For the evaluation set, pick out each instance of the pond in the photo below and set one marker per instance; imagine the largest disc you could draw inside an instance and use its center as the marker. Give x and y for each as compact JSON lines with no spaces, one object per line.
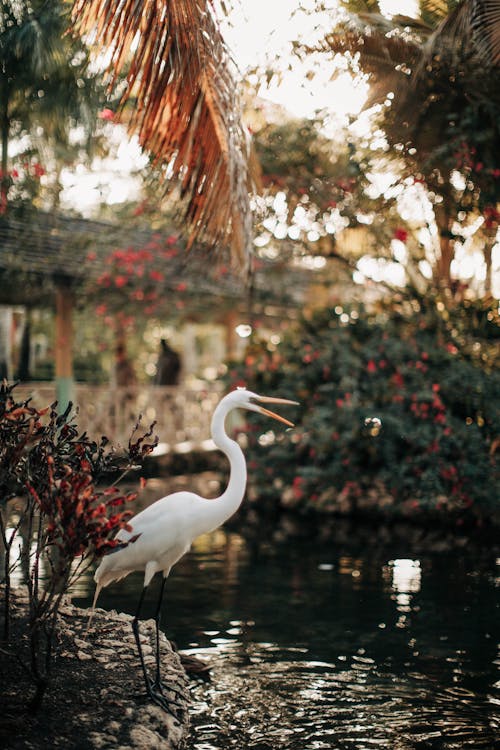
{"x":345,"y":646}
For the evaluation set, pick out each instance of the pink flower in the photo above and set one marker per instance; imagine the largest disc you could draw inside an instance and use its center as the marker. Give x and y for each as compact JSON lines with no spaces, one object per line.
{"x":107,"y":114}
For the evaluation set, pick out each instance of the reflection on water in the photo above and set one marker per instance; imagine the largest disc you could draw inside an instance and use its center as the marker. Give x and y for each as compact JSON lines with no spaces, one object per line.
{"x":316,"y":646}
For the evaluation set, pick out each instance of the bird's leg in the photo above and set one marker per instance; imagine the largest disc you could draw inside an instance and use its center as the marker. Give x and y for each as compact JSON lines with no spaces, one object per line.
{"x":158,"y":699}
{"x":135,"y":629}
{"x":153,"y":689}
{"x":158,"y":684}
{"x":157,"y":622}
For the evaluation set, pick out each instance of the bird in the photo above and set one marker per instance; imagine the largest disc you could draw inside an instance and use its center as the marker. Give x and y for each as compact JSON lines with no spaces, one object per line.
{"x":157,"y":537}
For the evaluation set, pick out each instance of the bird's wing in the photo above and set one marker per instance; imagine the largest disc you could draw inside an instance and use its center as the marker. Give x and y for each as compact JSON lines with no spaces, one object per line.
{"x":159,"y":534}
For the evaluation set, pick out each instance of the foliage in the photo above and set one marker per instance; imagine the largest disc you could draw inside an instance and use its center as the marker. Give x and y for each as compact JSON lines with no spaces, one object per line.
{"x":433,"y":82}
{"x":317,"y":191}
{"x":394,"y":416}
{"x":52,"y":509}
{"x":306,"y":184}
{"x":46,"y":90}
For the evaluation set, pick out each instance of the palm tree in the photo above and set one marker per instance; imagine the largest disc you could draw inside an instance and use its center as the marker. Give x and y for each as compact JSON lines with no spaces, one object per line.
{"x":44,"y":85}
{"x":441,"y":71}
{"x":183,"y":105}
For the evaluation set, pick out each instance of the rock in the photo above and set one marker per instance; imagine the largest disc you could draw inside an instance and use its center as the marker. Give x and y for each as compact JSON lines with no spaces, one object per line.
{"x":143,"y":738}
{"x":99,"y":681}
{"x":83,"y":655}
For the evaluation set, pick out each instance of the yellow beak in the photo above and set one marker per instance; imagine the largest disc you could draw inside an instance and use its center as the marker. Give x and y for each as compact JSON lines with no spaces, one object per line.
{"x":268,"y":413}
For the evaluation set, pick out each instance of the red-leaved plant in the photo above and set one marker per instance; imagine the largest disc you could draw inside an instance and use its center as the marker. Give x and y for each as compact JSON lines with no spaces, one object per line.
{"x":51,"y":505}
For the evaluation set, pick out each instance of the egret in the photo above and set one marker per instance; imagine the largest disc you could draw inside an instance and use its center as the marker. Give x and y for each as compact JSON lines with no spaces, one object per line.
{"x":162,"y":533}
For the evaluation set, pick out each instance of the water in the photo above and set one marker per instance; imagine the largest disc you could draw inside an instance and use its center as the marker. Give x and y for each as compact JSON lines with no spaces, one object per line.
{"x":346,"y":647}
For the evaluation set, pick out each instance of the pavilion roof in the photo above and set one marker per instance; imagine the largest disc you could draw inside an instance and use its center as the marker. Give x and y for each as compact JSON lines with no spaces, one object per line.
{"x":44,"y":249}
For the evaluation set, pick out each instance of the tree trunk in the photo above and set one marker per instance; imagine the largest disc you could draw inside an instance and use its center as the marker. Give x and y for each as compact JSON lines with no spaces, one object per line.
{"x":4,"y":137}
{"x":444,"y":222}
{"x":64,"y":345}
{"x":23,"y":370}
{"x":490,"y":236}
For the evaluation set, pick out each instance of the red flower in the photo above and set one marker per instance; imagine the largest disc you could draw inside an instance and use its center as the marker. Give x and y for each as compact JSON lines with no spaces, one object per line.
{"x":398,"y":379}
{"x":371,"y":366}
{"x":156,"y":276}
{"x":38,"y":170}
{"x":400,"y":234}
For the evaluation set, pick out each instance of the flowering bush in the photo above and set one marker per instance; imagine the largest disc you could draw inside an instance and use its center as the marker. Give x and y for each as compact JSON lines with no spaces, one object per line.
{"x":136,"y":277}
{"x":392,"y":418}
{"x":20,"y":185}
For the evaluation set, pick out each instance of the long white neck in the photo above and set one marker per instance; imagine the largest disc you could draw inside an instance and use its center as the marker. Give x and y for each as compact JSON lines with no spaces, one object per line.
{"x":218,"y":510}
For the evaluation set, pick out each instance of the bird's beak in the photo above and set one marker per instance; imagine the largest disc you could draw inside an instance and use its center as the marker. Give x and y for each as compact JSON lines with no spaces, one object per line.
{"x":268,"y":413}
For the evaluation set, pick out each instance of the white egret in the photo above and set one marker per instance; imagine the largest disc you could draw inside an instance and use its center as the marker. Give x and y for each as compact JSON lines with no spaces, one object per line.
{"x":162,"y":533}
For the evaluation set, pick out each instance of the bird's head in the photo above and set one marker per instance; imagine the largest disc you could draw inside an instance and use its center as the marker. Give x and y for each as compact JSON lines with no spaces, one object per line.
{"x":244,"y":399}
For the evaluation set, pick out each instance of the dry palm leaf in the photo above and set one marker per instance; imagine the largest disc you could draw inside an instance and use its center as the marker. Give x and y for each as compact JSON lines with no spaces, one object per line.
{"x":186,"y":115}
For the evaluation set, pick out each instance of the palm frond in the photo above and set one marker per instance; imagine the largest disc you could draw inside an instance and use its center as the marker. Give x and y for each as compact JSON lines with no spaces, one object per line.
{"x":187,"y":113}
{"x":471,"y":30}
{"x":386,"y":49}
{"x":432,"y":12}
{"x":485,"y":23}
{"x":378,"y":40}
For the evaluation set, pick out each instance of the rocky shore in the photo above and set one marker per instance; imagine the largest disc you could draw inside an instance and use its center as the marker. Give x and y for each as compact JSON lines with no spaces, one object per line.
{"x":96,"y":698}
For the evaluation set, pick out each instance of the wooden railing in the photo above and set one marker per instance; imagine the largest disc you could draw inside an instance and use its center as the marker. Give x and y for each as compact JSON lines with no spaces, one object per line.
{"x":182,"y":414}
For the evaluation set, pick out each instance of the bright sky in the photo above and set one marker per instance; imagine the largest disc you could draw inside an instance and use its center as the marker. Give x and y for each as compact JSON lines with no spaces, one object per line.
{"x":262,"y":30}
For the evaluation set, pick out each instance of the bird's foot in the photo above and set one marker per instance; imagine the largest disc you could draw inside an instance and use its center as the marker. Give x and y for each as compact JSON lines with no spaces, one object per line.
{"x":159,"y":687}
{"x":156,"y":691}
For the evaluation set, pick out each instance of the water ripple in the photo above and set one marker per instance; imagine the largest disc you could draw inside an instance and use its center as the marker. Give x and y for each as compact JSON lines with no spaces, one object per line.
{"x":275,"y":701}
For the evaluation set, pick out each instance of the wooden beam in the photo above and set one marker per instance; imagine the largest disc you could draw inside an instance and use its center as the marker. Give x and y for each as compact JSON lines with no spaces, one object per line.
{"x":64,"y":346}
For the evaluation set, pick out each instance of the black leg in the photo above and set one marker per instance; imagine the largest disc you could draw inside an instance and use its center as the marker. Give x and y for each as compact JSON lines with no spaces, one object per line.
{"x":154,"y":690}
{"x":158,"y":684}
{"x":157,"y":622}
{"x":135,"y":629}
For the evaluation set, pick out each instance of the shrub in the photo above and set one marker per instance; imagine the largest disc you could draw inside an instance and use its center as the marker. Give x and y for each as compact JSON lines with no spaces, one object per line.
{"x":392,"y":417}
{"x":49,"y":497}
